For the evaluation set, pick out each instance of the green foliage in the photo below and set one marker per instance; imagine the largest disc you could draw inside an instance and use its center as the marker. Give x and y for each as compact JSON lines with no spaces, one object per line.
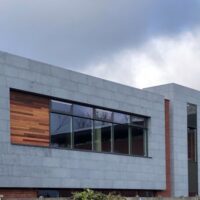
{"x":91,"y":195}
{"x":112,"y":196}
{"x":88,"y":195}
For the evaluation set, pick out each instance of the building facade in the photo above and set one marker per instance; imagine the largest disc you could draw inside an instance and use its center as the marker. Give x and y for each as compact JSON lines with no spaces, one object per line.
{"x":184,"y":129}
{"x":62,"y":131}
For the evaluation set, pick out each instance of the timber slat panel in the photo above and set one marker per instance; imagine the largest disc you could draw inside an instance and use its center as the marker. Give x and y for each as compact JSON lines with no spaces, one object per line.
{"x":29,"y":115}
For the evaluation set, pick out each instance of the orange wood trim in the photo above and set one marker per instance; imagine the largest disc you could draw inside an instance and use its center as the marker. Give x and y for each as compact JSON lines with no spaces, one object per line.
{"x":29,"y":116}
{"x":167,"y":192}
{"x":18,"y":193}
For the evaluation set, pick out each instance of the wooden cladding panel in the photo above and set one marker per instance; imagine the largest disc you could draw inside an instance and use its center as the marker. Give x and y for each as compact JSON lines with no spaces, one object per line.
{"x":18,"y":194}
{"x":167,"y":192}
{"x":29,"y":115}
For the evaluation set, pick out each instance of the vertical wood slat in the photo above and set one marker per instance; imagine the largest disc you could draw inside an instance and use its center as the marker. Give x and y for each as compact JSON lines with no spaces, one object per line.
{"x":167,"y":192}
{"x":29,"y":118}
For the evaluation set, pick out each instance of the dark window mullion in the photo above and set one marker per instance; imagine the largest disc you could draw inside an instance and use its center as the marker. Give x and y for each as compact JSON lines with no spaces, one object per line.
{"x":195,"y":145}
{"x":129,"y":140}
{"x":112,"y":138}
{"x":93,"y":135}
{"x":146,"y":142}
{"x":72,"y":133}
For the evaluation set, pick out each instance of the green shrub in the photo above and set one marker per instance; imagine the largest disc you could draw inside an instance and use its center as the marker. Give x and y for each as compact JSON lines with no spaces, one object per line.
{"x":113,"y":196}
{"x":88,"y":195}
{"x":91,"y":195}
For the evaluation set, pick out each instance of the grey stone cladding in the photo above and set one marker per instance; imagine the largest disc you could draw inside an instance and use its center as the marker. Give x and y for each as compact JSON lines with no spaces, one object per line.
{"x":35,"y":167}
{"x":179,"y":97}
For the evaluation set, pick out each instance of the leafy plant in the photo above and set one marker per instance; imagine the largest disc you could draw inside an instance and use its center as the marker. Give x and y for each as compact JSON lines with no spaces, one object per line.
{"x":113,"y":196}
{"x":91,"y":195}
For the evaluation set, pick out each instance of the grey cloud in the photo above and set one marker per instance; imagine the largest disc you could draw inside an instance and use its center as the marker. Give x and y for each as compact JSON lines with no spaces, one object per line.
{"x":75,"y":33}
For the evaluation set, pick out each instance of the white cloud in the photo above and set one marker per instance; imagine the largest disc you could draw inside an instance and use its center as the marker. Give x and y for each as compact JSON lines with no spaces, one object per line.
{"x":161,"y":60}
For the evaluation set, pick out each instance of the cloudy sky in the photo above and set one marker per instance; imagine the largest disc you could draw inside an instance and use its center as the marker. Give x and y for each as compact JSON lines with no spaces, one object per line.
{"x":135,"y":42}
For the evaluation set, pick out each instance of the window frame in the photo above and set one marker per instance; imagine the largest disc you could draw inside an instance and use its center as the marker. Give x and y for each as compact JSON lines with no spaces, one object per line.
{"x":113,"y":122}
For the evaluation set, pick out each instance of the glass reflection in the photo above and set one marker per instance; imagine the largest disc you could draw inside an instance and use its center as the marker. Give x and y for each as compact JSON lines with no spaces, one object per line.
{"x":138,"y":121}
{"x":82,"y":111}
{"x":102,"y":136}
{"x":192,"y":115}
{"x":121,"y":138}
{"x":192,"y":145}
{"x":138,"y":141}
{"x":82,"y":129}
{"x":58,"y":106}
{"x":60,"y":130}
{"x":104,"y":115}
{"x":121,"y":118}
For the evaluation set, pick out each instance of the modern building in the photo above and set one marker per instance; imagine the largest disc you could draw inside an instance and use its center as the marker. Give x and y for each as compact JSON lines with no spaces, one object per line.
{"x":62,"y":131}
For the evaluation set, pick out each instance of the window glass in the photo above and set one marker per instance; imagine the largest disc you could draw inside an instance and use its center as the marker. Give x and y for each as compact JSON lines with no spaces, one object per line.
{"x":192,"y":149}
{"x":192,"y":144}
{"x":121,"y":144}
{"x":192,"y":115}
{"x":82,"y":111}
{"x":82,"y":129}
{"x":138,"y":121}
{"x":192,"y":131}
{"x":104,"y":115}
{"x":48,"y":193}
{"x":138,"y":141}
{"x":58,"y":106}
{"x":102,"y":136}
{"x":121,"y":118}
{"x":60,"y":130}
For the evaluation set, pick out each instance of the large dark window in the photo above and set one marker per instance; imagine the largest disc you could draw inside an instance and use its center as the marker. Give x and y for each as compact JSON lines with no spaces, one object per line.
{"x":192,"y":144}
{"x":102,"y":136}
{"x":61,"y":130}
{"x":82,"y":129}
{"x":89,"y":128}
{"x":48,"y":193}
{"x":121,"y":138}
{"x":138,"y":141}
{"x":192,"y":149}
{"x":192,"y":131}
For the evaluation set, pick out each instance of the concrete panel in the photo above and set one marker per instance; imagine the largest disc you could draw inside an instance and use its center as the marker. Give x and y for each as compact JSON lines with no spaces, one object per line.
{"x":35,"y":167}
